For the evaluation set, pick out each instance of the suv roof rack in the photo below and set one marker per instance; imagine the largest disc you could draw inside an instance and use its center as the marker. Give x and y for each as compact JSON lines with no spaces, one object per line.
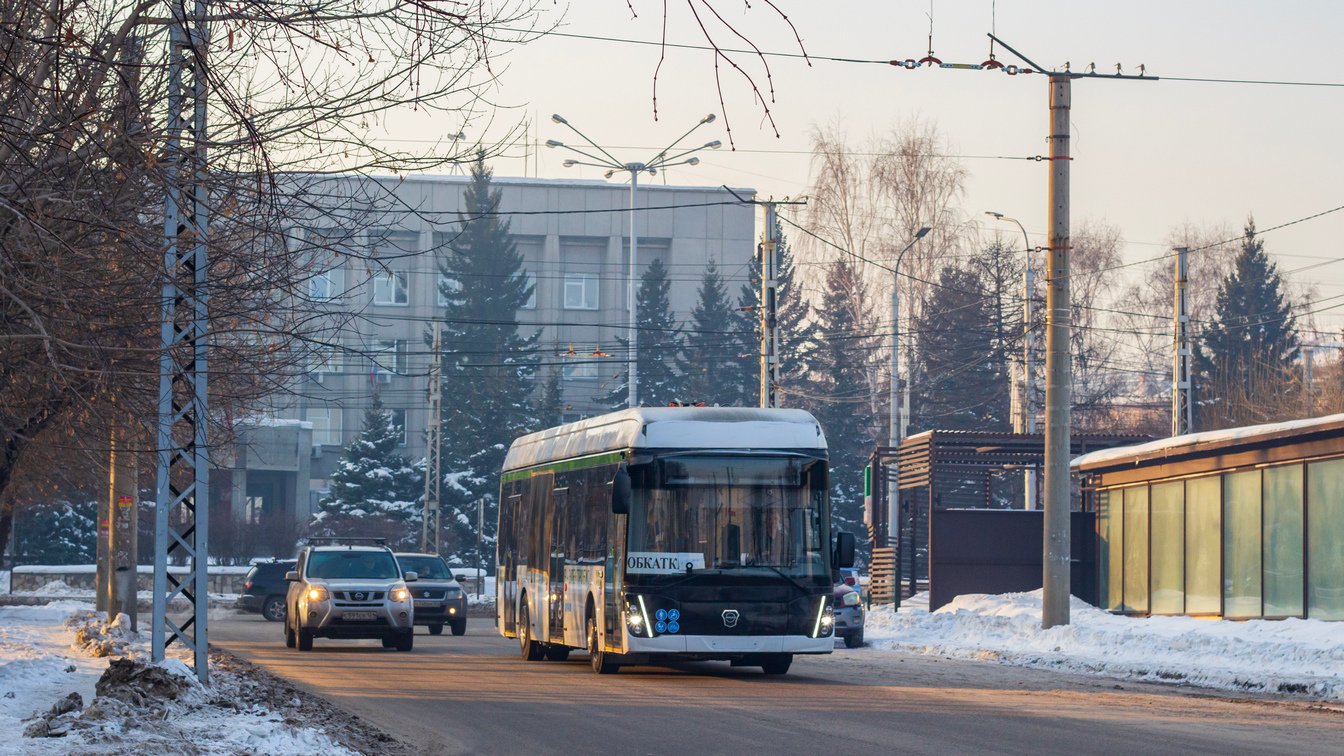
{"x":345,"y":541}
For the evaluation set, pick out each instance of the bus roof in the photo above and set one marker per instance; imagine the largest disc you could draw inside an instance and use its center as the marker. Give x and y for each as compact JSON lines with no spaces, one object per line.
{"x":669,"y":428}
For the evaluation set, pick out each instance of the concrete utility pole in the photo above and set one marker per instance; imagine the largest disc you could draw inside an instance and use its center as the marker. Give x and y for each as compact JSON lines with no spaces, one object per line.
{"x":117,"y":525}
{"x":900,"y":404}
{"x":1055,"y":580}
{"x":1180,"y":374}
{"x":769,"y":310}
{"x":429,"y":534}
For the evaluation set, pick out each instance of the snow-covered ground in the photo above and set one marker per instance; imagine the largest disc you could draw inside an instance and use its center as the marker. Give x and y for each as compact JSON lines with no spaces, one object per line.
{"x":49,"y":652}
{"x":1267,"y":656}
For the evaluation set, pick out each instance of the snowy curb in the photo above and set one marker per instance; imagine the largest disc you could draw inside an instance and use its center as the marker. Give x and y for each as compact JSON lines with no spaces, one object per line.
{"x":1280,"y":657}
{"x":138,"y":707}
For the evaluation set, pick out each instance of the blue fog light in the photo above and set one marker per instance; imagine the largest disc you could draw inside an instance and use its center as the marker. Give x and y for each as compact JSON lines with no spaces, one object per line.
{"x":674,"y":615}
{"x":660,"y":626}
{"x":661,"y":614}
{"x":672,"y":627}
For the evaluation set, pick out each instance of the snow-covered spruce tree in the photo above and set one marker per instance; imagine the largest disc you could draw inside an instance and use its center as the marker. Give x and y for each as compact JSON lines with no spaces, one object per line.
{"x":375,"y":491}
{"x":57,"y":533}
{"x":487,"y":366}
{"x":714,"y":375}
{"x":1245,"y":359}
{"x":658,"y":350}
{"x":841,"y":363}
{"x":793,"y":325}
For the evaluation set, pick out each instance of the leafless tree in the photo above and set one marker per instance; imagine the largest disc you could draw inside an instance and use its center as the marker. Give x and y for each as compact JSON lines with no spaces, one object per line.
{"x":298,"y":89}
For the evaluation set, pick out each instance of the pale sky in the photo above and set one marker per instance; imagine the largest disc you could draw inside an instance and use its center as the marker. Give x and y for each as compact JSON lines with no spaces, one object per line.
{"x":1148,"y":155}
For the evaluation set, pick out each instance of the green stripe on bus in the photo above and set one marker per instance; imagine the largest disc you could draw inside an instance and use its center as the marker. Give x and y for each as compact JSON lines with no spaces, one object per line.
{"x":609,"y":458}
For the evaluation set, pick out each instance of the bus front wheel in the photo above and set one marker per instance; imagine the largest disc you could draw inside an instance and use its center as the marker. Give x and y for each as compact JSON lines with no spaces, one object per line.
{"x":602,"y":664}
{"x":531,"y":650}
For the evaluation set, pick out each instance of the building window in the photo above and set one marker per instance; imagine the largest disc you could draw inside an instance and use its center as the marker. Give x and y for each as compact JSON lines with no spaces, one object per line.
{"x":389,"y":357}
{"x":1136,"y":549}
{"x":1203,"y":531}
{"x":582,"y":362}
{"x":447,"y":287}
{"x":580,"y":291}
{"x":1168,"y":548}
{"x":325,"y":287}
{"x":1241,"y":544}
{"x":391,"y":288}
{"x":1325,"y":559}
{"x":1282,"y":545}
{"x":399,"y":424}
{"x":326,"y":425}
{"x":530,"y":280}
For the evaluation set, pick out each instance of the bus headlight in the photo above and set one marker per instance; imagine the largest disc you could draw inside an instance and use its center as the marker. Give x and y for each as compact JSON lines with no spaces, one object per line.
{"x":634,"y":620}
{"x":825,"y":620}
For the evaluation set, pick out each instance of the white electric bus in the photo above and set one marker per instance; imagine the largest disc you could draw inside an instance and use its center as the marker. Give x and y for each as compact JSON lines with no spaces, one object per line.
{"x":655,"y":535}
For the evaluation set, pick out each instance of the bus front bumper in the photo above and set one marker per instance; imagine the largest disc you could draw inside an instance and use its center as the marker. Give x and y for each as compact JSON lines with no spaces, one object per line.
{"x":707,"y":646}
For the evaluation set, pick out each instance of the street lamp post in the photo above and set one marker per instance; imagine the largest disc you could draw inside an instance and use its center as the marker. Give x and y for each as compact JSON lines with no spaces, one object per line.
{"x":661,"y":161}
{"x":896,"y":432}
{"x":1026,"y":422}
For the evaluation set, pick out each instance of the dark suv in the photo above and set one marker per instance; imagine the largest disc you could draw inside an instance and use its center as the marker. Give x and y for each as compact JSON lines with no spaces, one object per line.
{"x":439,"y":598}
{"x":265,"y":588}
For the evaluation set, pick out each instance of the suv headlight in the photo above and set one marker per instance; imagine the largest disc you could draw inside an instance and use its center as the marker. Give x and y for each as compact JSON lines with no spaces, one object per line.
{"x":850,"y":599}
{"x":317,"y":593}
{"x":400,"y":593}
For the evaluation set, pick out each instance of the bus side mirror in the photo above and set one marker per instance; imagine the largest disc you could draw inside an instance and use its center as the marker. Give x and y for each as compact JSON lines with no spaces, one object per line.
{"x":620,"y":492}
{"x":844,"y":550}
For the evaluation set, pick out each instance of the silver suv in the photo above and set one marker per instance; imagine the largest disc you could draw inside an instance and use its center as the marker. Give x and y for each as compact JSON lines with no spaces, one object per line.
{"x":349,"y":591}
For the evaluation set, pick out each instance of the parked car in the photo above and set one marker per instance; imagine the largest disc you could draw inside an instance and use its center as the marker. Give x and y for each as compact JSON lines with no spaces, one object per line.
{"x":349,"y":592}
{"x":439,"y":598}
{"x":850,"y":576}
{"x":265,"y":587}
{"x":848,"y":608}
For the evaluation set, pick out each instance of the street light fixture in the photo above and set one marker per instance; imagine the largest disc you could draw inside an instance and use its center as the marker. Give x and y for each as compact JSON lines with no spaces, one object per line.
{"x":1026,"y":421}
{"x":897,"y":409}
{"x":659,"y":162}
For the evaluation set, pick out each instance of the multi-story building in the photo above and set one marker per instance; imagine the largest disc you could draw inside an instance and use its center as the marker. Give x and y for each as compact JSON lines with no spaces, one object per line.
{"x":572,"y":235}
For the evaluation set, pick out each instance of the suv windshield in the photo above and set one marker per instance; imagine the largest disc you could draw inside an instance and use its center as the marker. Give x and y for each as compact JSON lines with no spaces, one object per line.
{"x":425,"y":567}
{"x":732,"y":512}
{"x":346,"y":565}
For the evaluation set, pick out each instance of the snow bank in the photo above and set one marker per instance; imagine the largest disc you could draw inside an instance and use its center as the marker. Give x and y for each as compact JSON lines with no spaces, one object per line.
{"x":1272,"y":656}
{"x":58,"y":654}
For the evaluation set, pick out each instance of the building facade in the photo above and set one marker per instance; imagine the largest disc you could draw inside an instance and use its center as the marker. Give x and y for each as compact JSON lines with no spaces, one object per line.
{"x":1241,"y":523}
{"x":573,"y":237}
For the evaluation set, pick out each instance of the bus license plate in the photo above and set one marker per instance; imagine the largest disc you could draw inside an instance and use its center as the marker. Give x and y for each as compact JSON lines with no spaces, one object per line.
{"x":359,"y":616}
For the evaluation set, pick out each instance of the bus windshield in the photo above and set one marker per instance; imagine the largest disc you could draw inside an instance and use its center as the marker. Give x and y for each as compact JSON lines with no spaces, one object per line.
{"x":731,"y":513}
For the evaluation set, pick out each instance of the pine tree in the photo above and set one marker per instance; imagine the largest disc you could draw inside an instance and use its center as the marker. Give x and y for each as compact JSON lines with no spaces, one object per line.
{"x":841,"y":384}
{"x":487,"y":365}
{"x":793,"y":326}
{"x":714,"y":374}
{"x":374,"y":490}
{"x":659,"y":344}
{"x":1244,"y":359}
{"x":959,"y":346}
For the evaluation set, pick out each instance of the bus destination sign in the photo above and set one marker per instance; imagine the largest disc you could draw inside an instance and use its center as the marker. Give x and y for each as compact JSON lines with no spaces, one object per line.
{"x":659,"y":563}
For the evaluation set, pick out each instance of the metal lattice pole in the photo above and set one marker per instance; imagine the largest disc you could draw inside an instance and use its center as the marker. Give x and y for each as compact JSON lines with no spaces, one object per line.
{"x":429,"y":533}
{"x":1180,"y":379}
{"x":183,"y":467}
{"x":769,"y":314}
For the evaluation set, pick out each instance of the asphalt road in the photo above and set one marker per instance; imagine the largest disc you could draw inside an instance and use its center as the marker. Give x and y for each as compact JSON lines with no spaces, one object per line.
{"x":474,"y":695}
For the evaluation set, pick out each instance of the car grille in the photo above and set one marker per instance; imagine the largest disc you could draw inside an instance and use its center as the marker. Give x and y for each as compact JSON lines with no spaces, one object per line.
{"x":360,"y":595}
{"x":422,"y":595}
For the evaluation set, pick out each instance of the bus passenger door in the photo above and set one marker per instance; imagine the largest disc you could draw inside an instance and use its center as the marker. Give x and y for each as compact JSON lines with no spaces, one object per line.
{"x":556,"y":594}
{"x":508,"y":561}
